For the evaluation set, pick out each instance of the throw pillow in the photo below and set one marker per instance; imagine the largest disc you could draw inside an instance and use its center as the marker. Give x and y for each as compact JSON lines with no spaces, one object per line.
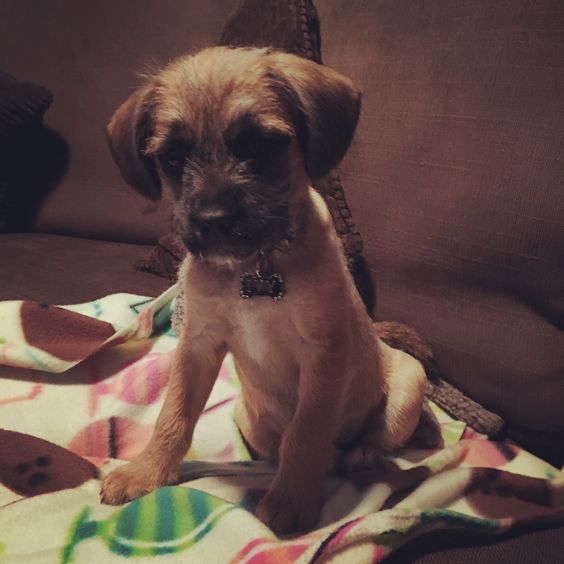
{"x":22,"y":106}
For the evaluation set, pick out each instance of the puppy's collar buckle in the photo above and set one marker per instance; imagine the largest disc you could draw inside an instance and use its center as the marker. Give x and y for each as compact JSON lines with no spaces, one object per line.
{"x":263,"y":282}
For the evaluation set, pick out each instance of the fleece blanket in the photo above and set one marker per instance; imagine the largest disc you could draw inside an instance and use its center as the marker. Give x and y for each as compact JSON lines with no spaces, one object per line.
{"x":80,"y":390}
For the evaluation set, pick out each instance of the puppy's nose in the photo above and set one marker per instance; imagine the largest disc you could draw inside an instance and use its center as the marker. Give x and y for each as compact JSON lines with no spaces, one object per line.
{"x":211,"y":214}
{"x":212,"y":220}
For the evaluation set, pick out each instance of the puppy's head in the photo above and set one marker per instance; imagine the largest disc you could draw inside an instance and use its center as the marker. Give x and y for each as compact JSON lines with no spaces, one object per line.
{"x":235,"y":134}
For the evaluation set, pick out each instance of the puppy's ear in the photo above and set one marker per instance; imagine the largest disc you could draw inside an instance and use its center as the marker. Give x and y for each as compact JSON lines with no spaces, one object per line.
{"x":129,"y":130}
{"x":329,"y":105}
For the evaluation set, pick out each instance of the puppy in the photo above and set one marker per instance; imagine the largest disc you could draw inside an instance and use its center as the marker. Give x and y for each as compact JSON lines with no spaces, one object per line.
{"x":237,"y":135}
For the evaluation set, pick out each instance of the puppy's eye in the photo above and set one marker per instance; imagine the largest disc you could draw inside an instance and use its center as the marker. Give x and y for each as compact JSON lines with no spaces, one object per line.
{"x":172,"y":159}
{"x":259,"y":146}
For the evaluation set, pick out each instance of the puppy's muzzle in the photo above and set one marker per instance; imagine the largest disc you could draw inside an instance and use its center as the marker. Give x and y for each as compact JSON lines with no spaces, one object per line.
{"x":217,"y":225}
{"x":214,"y":230}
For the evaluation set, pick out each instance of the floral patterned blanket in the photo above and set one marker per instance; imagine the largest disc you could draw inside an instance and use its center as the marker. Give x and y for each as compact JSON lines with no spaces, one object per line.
{"x":80,"y":389}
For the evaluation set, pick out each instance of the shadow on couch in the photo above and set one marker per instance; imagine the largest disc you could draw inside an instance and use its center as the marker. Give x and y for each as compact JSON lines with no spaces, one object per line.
{"x":32,"y":166}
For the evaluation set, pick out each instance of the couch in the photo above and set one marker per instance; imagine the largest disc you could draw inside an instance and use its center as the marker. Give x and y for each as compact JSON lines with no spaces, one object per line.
{"x":454,"y":181}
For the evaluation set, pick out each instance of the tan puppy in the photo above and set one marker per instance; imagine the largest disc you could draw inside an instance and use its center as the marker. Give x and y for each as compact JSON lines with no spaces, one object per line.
{"x":237,"y":134}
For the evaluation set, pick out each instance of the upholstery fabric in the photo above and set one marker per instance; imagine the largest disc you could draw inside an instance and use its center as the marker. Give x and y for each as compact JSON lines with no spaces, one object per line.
{"x":56,"y":269}
{"x":455,"y":179}
{"x":88,"y":54}
{"x":532,"y":546}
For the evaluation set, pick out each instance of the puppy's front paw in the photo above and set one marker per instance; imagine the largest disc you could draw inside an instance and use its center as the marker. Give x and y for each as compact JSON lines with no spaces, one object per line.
{"x":288,"y":512}
{"x":128,"y":482}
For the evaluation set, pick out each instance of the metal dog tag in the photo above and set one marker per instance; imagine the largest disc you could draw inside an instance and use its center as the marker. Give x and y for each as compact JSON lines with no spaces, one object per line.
{"x":262,"y":282}
{"x":258,"y":285}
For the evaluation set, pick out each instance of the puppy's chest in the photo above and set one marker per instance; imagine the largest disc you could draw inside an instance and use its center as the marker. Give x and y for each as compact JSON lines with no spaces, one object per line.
{"x":261,"y":331}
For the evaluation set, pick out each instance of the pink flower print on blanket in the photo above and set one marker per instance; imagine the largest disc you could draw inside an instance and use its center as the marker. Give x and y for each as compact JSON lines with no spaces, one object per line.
{"x":140,"y":382}
{"x":141,"y":328}
{"x":34,"y":391}
{"x":268,"y":551}
{"x":145,"y":321}
{"x":489,"y":454}
{"x":116,"y":437}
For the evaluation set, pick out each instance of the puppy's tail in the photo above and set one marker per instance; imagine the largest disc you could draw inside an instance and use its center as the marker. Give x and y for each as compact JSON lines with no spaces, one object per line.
{"x":444,"y":394}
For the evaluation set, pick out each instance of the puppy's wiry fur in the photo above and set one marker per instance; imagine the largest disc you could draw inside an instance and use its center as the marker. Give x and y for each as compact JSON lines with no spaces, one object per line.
{"x":237,"y":134}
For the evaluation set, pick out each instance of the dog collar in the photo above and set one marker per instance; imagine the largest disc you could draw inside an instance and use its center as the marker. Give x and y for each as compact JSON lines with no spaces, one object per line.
{"x":263,"y":282}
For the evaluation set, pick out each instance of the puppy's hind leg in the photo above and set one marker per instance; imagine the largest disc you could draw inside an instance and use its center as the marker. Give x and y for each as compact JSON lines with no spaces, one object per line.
{"x":393,"y":423}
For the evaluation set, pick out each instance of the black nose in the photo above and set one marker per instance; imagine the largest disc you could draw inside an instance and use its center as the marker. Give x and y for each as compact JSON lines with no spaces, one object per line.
{"x":213,"y":221}
{"x":217,"y":227}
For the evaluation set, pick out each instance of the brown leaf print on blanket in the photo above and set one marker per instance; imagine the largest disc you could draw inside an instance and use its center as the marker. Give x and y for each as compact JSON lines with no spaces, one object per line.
{"x":31,"y":466}
{"x":62,"y":333}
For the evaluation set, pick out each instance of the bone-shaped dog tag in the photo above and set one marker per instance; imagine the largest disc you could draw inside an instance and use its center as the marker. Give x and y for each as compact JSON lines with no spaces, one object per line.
{"x":271,"y":285}
{"x":263,"y":282}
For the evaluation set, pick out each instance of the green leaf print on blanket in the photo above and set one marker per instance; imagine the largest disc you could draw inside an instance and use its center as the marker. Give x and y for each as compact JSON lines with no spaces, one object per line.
{"x":168,"y":520}
{"x":454,"y":519}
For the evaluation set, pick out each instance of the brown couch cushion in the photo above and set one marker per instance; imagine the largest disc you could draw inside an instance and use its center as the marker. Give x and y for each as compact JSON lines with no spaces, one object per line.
{"x":455,"y":179}
{"x":62,"y":270}
{"x":531,"y":545}
{"x":87,"y":53}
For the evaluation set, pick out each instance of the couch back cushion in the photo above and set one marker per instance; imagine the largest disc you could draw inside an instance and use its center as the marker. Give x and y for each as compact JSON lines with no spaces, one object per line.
{"x":456,"y":182}
{"x":88,"y":54}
